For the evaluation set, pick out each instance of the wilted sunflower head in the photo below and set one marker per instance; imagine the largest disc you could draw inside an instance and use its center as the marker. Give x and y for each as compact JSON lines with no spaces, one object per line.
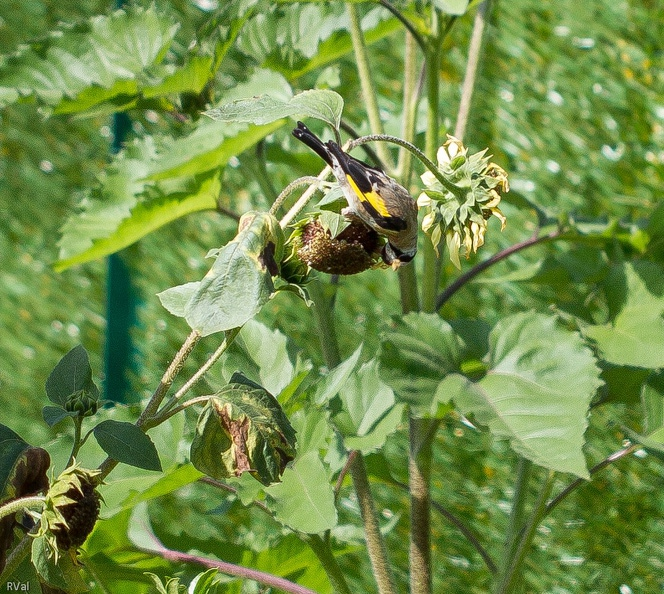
{"x":70,"y":510}
{"x":330,"y":243}
{"x":459,"y":210}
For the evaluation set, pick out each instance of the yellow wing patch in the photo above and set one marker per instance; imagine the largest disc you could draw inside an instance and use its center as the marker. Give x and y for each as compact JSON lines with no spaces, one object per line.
{"x":372,"y":198}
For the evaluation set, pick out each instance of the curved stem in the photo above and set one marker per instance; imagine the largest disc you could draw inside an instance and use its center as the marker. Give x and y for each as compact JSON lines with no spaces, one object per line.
{"x":366,"y":83}
{"x":232,"y":569}
{"x":594,"y":470}
{"x":17,"y":505}
{"x":302,"y":200}
{"x":428,"y":163}
{"x":309,"y":180}
{"x":465,"y":278}
{"x":406,"y":23}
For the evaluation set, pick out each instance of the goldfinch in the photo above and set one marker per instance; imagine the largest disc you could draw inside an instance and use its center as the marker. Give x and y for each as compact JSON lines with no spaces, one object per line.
{"x":373,"y":197}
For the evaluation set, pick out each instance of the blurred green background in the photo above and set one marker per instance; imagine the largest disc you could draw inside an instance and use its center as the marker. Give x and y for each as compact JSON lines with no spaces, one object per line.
{"x":570,"y":102}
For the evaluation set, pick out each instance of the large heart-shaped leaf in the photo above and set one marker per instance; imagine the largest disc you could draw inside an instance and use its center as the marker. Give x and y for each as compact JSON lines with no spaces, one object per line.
{"x":537,"y":391}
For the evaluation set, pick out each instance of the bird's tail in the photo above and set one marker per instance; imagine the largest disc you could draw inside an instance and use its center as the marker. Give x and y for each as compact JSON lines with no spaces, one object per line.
{"x":303,"y":134}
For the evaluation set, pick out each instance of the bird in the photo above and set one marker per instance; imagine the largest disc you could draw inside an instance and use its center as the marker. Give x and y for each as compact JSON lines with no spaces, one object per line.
{"x":373,"y":197}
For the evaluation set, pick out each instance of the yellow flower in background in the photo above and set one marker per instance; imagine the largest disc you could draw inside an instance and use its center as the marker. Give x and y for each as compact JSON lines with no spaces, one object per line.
{"x":460,"y":208}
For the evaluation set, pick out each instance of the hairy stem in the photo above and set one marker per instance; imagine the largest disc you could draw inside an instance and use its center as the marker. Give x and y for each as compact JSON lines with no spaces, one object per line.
{"x":17,"y":505}
{"x":321,"y":548}
{"x":375,"y":543}
{"x":474,"y":53}
{"x":422,"y":432}
{"x":159,"y":417}
{"x":366,"y":83}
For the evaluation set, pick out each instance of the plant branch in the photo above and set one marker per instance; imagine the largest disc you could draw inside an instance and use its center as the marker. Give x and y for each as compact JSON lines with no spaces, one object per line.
{"x":309,"y":180}
{"x":229,"y":337}
{"x":415,"y":34}
{"x":513,"y":570}
{"x":246,"y":573}
{"x":368,"y":91}
{"x":375,"y":543}
{"x":422,"y":432}
{"x":17,"y":505}
{"x":594,"y":470}
{"x":15,"y":558}
{"x":474,"y":53}
{"x":322,"y":550}
{"x":517,"y":514}
{"x":465,"y":278}
{"x":152,"y":406}
{"x":302,"y":200}
{"x":428,"y":163}
{"x":411,"y":91}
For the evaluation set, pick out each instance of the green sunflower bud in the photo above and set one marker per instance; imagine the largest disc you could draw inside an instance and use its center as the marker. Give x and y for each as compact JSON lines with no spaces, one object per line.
{"x":81,"y":402}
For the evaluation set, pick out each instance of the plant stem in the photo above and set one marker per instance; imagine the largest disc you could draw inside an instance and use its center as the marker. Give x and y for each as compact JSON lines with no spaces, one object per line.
{"x":474,"y":53}
{"x":431,"y":276}
{"x":517,"y":515}
{"x":232,"y":569}
{"x":322,"y":550}
{"x":375,"y":543}
{"x":462,"y":280}
{"x":595,"y":469}
{"x":17,"y":505}
{"x":323,"y":314}
{"x":366,"y":83}
{"x":152,"y":406}
{"x":324,"y":320}
{"x":78,"y":423}
{"x":514,"y":566}
{"x":410,"y":94}
{"x":159,"y":417}
{"x":15,"y":558}
{"x":422,"y":431}
{"x":410,"y":300}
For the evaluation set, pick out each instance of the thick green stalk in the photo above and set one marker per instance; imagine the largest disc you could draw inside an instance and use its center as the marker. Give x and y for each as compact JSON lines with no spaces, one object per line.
{"x":321,"y":547}
{"x":410,"y":95}
{"x":324,"y":321}
{"x":323,"y":315}
{"x":518,"y":513}
{"x":431,"y":276}
{"x":364,"y":74}
{"x":422,"y":431}
{"x":375,"y":543}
